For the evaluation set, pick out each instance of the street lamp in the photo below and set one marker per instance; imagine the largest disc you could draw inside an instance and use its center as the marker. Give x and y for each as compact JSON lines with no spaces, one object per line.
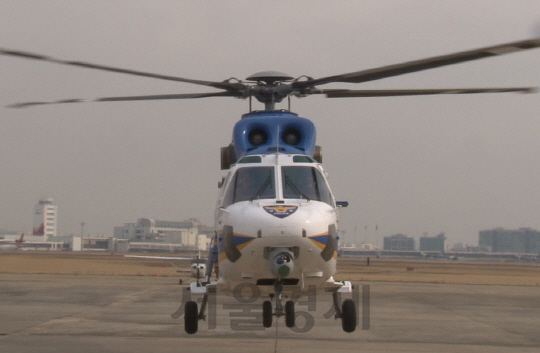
{"x":82,"y":236}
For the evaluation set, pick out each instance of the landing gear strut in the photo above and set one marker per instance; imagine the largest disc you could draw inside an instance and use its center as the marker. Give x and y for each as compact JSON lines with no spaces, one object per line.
{"x":346,"y":312}
{"x":192,"y":315}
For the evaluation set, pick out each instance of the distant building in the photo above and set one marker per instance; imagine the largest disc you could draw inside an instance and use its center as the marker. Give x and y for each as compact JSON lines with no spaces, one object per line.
{"x":458,"y":247}
{"x":435,"y":243}
{"x":365,"y":247}
{"x":191,"y":234}
{"x":45,"y":218}
{"x":398,"y":242}
{"x":499,"y":240}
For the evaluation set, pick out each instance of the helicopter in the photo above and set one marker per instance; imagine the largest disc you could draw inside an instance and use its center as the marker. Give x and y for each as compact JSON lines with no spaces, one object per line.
{"x":276,"y":219}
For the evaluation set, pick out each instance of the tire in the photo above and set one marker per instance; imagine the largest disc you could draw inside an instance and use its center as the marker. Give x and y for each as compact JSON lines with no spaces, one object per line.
{"x":191,"y":320}
{"x":348,"y":315}
{"x":267,"y":313}
{"x":289,"y":314}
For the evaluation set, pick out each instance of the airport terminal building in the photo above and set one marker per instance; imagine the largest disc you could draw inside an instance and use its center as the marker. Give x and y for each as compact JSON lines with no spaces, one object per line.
{"x":191,"y":234}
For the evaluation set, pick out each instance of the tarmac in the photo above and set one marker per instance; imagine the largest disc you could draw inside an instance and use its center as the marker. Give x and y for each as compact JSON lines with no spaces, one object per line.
{"x":65,"y":313}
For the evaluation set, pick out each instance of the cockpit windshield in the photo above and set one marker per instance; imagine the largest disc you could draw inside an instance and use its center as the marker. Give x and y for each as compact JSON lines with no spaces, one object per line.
{"x":305,"y":183}
{"x":251,"y":183}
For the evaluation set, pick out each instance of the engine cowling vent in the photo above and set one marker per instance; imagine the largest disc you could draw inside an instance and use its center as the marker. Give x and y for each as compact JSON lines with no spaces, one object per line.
{"x":257,"y":137}
{"x":291,"y":136}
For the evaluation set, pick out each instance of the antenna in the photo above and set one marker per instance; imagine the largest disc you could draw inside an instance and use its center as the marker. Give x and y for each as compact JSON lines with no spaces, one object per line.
{"x":289,"y":101}
{"x":277,"y":147}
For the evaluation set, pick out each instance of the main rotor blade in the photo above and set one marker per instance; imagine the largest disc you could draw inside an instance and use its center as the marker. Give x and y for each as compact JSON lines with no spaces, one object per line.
{"x":235,"y":86}
{"x":423,"y":64}
{"x":128,"y":98}
{"x":350,"y":93}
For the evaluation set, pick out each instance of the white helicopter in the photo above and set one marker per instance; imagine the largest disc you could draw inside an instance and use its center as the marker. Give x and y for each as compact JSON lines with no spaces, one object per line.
{"x":276,"y":219}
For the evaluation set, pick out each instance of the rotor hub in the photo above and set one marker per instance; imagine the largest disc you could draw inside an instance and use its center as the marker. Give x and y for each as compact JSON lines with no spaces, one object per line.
{"x":269,"y":77}
{"x":270,"y":88}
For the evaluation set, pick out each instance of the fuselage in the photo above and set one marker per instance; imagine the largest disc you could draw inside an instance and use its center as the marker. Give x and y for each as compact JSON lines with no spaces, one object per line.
{"x":12,"y":245}
{"x":276,"y":219}
{"x":6,"y":247}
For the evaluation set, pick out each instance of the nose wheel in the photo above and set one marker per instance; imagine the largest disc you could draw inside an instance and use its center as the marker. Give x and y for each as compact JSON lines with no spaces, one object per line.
{"x":267,"y":313}
{"x":279,"y":311}
{"x":289,"y":314}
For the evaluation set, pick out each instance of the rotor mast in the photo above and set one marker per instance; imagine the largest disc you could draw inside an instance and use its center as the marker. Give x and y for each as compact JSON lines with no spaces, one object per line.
{"x":269,"y":89}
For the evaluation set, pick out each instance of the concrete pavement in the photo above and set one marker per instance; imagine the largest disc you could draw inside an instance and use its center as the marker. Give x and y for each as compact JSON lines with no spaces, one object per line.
{"x":61,"y":313}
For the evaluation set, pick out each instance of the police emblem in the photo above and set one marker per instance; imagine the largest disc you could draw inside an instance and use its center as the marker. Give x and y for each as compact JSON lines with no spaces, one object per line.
{"x":281,"y":211}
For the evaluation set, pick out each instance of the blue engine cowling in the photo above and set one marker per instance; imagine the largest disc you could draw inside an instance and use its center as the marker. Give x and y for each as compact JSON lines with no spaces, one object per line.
{"x":266,"y":131}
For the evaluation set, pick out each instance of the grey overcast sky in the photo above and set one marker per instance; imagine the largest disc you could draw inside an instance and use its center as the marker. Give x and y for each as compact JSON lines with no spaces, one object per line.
{"x":412,"y":165}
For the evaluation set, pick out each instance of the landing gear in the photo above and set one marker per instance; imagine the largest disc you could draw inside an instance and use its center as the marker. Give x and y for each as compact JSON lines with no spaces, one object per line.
{"x":346,"y":312}
{"x":267,"y":313}
{"x":288,"y":312}
{"x":348,"y":315}
{"x":192,"y":314}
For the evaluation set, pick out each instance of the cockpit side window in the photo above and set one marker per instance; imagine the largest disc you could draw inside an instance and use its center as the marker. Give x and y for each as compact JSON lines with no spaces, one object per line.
{"x":251,"y":183}
{"x":305,"y":183}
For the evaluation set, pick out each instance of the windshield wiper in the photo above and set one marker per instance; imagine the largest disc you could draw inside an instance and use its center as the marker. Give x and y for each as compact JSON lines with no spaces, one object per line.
{"x":262,"y":188}
{"x":295,"y":188}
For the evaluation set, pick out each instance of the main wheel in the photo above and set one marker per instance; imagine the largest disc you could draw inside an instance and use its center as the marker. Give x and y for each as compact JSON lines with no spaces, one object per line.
{"x":267,"y":313}
{"x":348,"y":315}
{"x":289,"y":314}
{"x":191,"y":320}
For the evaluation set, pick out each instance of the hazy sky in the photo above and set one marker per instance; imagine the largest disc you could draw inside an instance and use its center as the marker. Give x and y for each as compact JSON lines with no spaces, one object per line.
{"x":453,"y":164}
